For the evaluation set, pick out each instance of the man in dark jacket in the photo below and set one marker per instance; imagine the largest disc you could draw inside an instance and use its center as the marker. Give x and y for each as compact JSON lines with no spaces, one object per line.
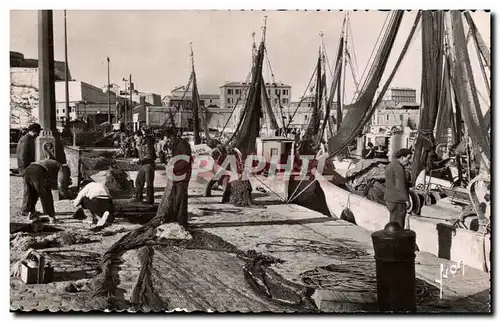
{"x":397,"y":187}
{"x":40,"y":178}
{"x":147,"y":156}
{"x":26,"y":147}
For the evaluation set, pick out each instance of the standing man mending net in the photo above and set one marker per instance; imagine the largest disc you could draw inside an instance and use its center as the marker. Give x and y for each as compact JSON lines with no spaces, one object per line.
{"x":146,"y":174}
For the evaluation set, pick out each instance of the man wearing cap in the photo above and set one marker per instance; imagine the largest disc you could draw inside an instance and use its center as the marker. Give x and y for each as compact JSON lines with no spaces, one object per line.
{"x":397,"y":187}
{"x":26,"y":147}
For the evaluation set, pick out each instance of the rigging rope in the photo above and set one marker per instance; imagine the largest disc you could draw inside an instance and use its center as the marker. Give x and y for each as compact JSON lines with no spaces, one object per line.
{"x":326,"y":58}
{"x":341,"y":140}
{"x":374,"y":47}
{"x":236,"y":104}
{"x":353,"y":46}
{"x":353,"y":73}
{"x":274,"y":82}
{"x":302,"y":99}
{"x":178,"y":107}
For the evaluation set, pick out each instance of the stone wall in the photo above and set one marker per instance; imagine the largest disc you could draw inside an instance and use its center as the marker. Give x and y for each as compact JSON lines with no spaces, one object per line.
{"x":23,"y":96}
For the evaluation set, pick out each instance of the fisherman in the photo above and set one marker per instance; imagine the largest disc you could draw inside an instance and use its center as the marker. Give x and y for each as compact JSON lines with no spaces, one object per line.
{"x":161,"y":147}
{"x":96,"y":203}
{"x":379,"y":151}
{"x":26,"y":147}
{"x":370,"y":151}
{"x":238,"y":192}
{"x":397,"y":187}
{"x":40,"y":178}
{"x":146,"y":174}
{"x":218,"y":154}
{"x":438,"y":167}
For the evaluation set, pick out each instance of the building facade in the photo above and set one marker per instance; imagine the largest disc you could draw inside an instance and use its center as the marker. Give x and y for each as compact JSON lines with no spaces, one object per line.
{"x":403,"y":95}
{"x":233,"y":93}
{"x":24,"y":88}
{"x":84,"y":99}
{"x":181,"y":96}
{"x":390,"y":113}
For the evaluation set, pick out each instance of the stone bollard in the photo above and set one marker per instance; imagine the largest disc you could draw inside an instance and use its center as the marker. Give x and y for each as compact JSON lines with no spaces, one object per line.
{"x":395,"y":264}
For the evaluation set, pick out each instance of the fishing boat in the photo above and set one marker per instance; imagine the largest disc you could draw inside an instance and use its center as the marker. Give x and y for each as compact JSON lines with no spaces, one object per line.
{"x":458,"y":213}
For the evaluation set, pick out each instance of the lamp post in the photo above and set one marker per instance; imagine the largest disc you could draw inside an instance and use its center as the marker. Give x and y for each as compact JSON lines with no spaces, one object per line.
{"x":109,"y":97}
{"x":125,"y":80}
{"x":66,"y":68}
{"x":47,"y":102}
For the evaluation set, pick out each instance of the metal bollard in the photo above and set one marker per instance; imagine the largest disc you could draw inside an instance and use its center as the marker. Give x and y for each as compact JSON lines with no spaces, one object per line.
{"x":395,"y":263}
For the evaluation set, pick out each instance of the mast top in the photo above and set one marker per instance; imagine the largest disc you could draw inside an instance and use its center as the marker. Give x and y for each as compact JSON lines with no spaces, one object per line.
{"x":264,"y":29}
{"x":192,"y":54}
{"x":321,"y":34}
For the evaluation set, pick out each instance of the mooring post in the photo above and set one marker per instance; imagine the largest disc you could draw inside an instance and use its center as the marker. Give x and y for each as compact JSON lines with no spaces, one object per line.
{"x":395,"y":265}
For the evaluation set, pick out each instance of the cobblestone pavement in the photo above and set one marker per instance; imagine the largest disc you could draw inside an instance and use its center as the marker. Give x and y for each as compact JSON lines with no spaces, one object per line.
{"x":190,"y":279}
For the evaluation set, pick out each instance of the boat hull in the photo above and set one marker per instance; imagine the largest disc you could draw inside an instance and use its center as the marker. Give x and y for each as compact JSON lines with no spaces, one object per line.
{"x":433,"y":235}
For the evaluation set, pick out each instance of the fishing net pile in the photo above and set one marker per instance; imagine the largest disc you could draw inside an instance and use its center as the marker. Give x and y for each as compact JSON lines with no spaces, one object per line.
{"x":172,"y":208}
{"x":367,"y":179}
{"x":97,"y":160}
{"x":118,"y":180}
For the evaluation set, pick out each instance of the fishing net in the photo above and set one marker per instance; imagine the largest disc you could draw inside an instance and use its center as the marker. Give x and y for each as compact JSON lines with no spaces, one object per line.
{"x":144,"y":295}
{"x":118,"y":180}
{"x":196,"y":107}
{"x":467,"y":90}
{"x":360,"y":277}
{"x":314,"y":124}
{"x":361,"y":111}
{"x":248,"y":127}
{"x":432,"y":80}
{"x":272,"y":123}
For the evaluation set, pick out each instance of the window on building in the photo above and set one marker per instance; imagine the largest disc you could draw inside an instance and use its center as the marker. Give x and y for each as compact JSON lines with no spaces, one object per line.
{"x":401,"y":118}
{"x":57,"y":111}
{"x":64,"y":110}
{"x":285,"y":92}
{"x":275,"y":101}
{"x":229,"y":100}
{"x":387,"y":117}
{"x":268,"y":91}
{"x":284,"y":101}
{"x":305,"y":117}
{"x":277,"y":92}
{"x":237,"y":91}
{"x":229,"y":91}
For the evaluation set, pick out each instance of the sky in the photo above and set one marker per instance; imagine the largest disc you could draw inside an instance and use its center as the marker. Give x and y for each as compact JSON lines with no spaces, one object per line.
{"x":154,"y":46}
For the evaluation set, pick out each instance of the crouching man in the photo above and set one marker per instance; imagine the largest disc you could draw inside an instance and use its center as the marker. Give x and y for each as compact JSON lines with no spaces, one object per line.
{"x":96,"y":203}
{"x":39,"y":179}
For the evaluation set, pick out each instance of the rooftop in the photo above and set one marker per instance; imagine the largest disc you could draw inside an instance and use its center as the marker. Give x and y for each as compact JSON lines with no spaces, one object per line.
{"x":242,"y":84}
{"x":276,"y":138}
{"x":403,"y":89}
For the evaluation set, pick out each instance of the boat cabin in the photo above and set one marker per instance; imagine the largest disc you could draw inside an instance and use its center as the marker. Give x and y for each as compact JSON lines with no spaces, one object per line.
{"x":275,"y":146}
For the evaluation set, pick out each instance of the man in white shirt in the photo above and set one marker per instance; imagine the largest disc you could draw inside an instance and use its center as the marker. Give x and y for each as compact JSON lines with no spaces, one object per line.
{"x":96,"y":203}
